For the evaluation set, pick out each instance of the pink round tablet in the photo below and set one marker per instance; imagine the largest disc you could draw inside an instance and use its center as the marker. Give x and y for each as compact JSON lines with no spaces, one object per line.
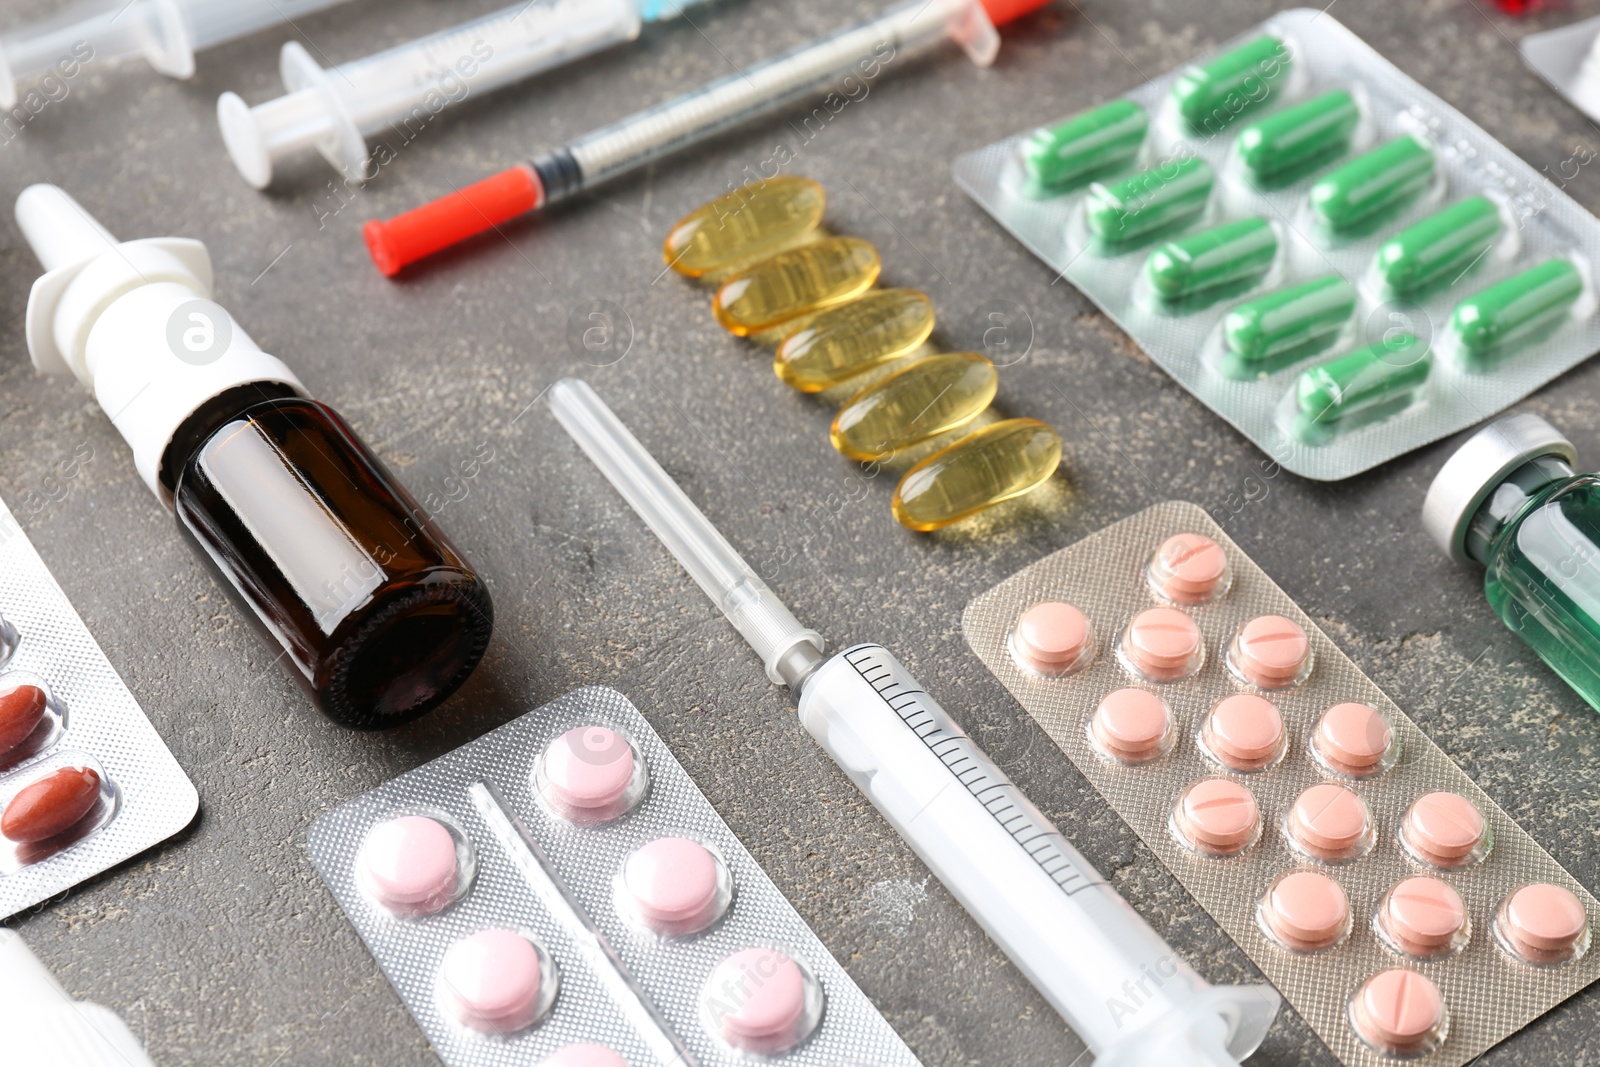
{"x":1271,"y":652}
{"x":1132,"y":725}
{"x":1444,"y":829}
{"x":759,"y":1000}
{"x":1244,"y":732}
{"x":1543,"y":923}
{"x":675,"y":885}
{"x":1353,"y":739}
{"x":1307,"y":911}
{"x":1398,"y":1011}
{"x":1218,"y":817}
{"x":1330,"y":823}
{"x":1189,"y":568}
{"x":585,"y":1055}
{"x":589,"y":771}
{"x":409,"y":864}
{"x":1423,"y":917}
{"x":1052,"y":638}
{"x":492,"y":981}
{"x":1163,"y":644}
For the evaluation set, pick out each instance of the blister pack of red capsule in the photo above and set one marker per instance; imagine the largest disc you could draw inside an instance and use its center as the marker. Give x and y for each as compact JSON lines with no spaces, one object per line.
{"x":1400,"y":911}
{"x":1326,"y":254}
{"x":85,"y":780}
{"x":559,"y":893}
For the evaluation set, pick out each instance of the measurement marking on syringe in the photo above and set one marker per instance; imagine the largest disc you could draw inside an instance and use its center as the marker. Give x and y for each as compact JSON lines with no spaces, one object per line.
{"x":954,"y":749}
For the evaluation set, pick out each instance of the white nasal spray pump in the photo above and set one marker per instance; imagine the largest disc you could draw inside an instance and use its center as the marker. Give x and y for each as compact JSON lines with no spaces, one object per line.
{"x":133,"y":321}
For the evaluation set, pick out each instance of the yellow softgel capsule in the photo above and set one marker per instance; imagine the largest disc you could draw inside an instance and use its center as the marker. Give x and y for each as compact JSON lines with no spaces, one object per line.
{"x":752,"y":220}
{"x":852,"y":338}
{"x":926,"y":399}
{"x":809,"y":278}
{"x":979,"y":471}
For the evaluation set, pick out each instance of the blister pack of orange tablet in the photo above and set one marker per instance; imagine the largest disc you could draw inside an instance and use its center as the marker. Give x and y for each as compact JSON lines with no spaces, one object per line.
{"x":1400,"y":911}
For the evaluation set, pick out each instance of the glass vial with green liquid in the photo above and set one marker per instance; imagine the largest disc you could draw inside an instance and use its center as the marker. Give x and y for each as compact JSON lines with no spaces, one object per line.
{"x":1511,"y":501}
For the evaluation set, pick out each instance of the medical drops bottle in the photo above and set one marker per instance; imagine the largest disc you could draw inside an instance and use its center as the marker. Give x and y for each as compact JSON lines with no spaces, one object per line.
{"x":360,"y":595}
{"x":1511,"y":501}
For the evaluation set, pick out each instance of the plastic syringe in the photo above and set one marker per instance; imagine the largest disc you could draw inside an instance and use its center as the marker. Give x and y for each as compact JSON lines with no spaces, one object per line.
{"x":869,"y":46}
{"x":1111,"y":977}
{"x":167,"y":33}
{"x":334,"y":111}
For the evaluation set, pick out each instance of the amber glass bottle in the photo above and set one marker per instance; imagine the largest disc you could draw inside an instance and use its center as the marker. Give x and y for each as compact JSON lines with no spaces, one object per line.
{"x":379,"y":614}
{"x":374,"y":609}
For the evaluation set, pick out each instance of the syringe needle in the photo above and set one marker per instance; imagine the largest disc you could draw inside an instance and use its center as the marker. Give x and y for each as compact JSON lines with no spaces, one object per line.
{"x":865,"y":49}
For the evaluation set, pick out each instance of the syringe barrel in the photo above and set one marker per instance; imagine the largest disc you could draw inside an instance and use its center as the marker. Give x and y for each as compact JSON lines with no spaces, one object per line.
{"x":1087,"y":951}
{"x":213,"y":22}
{"x":864,"y":49}
{"x":505,"y":46}
{"x":97,"y":31}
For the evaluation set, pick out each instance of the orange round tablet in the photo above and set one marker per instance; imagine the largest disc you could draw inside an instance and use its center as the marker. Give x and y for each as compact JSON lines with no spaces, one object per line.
{"x":1423,"y":917}
{"x":1052,"y":638}
{"x":1217,"y":817}
{"x":1353,"y":739}
{"x":1271,"y":652}
{"x":1306,"y":911}
{"x":1163,"y":645}
{"x":1543,"y":924}
{"x":1399,"y":1012}
{"x":1444,"y":829}
{"x":1189,"y":568}
{"x":1244,"y":732}
{"x":1330,"y":823}
{"x":1132,"y":725}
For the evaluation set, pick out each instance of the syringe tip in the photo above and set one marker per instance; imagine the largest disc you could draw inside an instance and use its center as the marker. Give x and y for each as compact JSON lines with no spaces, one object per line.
{"x":452,"y":219}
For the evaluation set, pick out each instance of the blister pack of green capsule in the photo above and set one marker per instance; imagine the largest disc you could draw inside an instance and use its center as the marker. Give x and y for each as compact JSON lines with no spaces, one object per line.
{"x":1329,"y":256}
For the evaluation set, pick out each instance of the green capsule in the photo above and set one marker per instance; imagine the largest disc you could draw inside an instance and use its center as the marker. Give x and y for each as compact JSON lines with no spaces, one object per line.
{"x":1370,"y":379}
{"x":1231,"y":252}
{"x":1517,"y":308}
{"x":1169,"y":192}
{"x":1289,"y":320}
{"x":852,"y":338}
{"x":1212,"y":96}
{"x":1297,"y":135}
{"x":928,"y":398}
{"x":1440,"y":247}
{"x":982,"y":469}
{"x":1088,"y":143}
{"x":1381,"y":179}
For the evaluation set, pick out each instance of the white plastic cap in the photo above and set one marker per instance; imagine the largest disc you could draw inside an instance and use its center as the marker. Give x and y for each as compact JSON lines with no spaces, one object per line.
{"x":43,"y":1025}
{"x":134,"y":321}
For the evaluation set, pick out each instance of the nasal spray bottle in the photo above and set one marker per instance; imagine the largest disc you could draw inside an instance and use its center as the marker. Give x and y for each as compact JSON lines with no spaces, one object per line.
{"x":375,"y":611}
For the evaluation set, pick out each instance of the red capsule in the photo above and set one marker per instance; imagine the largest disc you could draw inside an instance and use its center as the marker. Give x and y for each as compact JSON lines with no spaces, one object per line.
{"x":22,"y":707}
{"x":51,"y":805}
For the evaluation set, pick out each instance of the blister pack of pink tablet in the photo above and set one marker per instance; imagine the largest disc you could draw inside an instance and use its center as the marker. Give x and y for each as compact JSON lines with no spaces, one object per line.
{"x":85,"y":780}
{"x":1400,"y":911}
{"x":559,"y":893}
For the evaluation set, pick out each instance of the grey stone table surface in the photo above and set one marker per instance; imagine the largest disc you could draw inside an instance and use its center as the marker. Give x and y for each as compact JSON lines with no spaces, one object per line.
{"x":223,"y":948}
